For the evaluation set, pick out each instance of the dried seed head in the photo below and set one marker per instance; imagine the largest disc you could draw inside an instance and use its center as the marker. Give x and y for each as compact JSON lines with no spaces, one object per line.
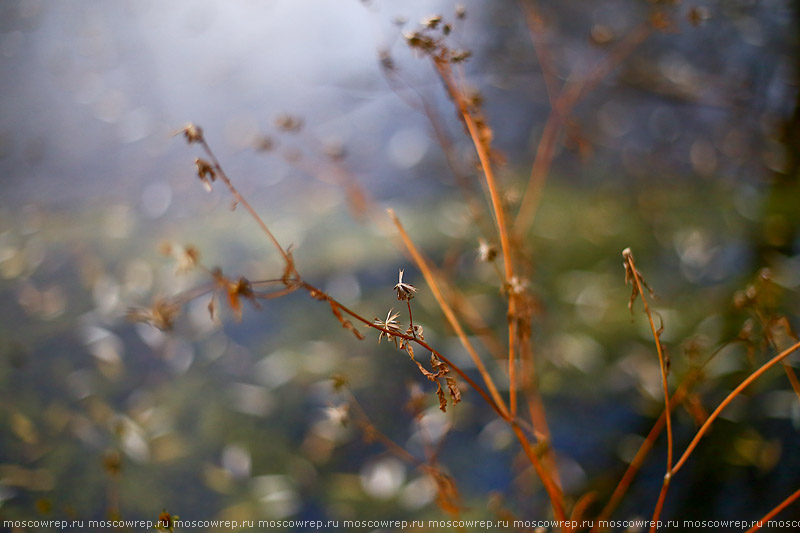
{"x":461,"y":11}
{"x":206,"y":172}
{"x":289,"y":123}
{"x":188,"y":257}
{"x":517,"y":285}
{"x":389,"y":326}
{"x":161,"y":314}
{"x":486,"y":252}
{"x":166,"y":521}
{"x":405,"y":291}
{"x":416,"y":331}
{"x":419,"y":41}
{"x":339,"y":414}
{"x":698,"y":15}
{"x":264,"y":143}
{"x":431,"y":22}
{"x":339,"y":382}
{"x":192,"y":133}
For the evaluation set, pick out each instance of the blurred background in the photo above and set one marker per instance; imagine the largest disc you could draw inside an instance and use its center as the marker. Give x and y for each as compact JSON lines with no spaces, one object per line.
{"x":687,"y":152}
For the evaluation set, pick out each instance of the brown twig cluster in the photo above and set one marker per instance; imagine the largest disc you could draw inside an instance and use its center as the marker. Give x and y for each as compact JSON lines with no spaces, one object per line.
{"x":522,"y":407}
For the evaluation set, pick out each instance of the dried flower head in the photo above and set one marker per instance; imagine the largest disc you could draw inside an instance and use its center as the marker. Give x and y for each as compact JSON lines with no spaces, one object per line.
{"x":431,"y":21}
{"x":339,"y":382}
{"x":389,"y":326}
{"x":486,"y":252}
{"x":188,"y":258}
{"x":161,"y":314}
{"x":289,"y":123}
{"x":416,"y":331}
{"x":517,"y":285}
{"x":264,"y":143}
{"x":419,"y":41}
{"x":697,"y":15}
{"x":339,"y":414}
{"x":236,"y":290}
{"x":166,"y":521}
{"x":112,"y":462}
{"x":405,"y":291}
{"x":206,"y":172}
{"x":192,"y":133}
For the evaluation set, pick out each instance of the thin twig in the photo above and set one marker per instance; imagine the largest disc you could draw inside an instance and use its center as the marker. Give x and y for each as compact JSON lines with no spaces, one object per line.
{"x":241,"y":199}
{"x":430,"y":279}
{"x":571,"y":94}
{"x":646,"y":446}
{"x":556,"y":497}
{"x":780,"y":507}
{"x":743,"y":385}
{"x":443,"y":68}
{"x":634,"y":277}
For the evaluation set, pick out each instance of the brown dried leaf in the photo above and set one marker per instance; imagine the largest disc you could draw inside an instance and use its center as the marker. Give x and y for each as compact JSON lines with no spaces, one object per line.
{"x":455,"y":393}
{"x":442,"y":397}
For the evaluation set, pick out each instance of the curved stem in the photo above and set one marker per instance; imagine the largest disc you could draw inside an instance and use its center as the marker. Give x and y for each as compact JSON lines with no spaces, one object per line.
{"x":743,"y":385}
{"x":780,"y":507}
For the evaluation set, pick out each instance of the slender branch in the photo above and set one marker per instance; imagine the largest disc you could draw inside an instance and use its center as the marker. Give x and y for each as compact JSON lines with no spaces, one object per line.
{"x":430,"y":279}
{"x":780,"y":507}
{"x":443,"y":68}
{"x":556,"y":498}
{"x":536,"y":27}
{"x":743,"y":385}
{"x":570,"y":95}
{"x":320,"y":295}
{"x":637,"y":280}
{"x":241,"y":199}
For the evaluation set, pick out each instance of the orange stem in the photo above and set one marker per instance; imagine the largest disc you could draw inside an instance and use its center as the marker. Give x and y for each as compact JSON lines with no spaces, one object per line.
{"x":780,"y":507}
{"x":743,"y":385}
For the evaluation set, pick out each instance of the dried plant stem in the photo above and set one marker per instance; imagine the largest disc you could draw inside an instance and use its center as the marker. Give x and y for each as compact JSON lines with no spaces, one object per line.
{"x":743,"y":385}
{"x":320,"y":295}
{"x":556,"y":498}
{"x":570,"y":95}
{"x":536,"y":407}
{"x":297,"y":281}
{"x":430,"y":279}
{"x":660,"y":503}
{"x":536,"y":26}
{"x":445,"y":72}
{"x":780,"y":507}
{"x":241,"y":200}
{"x":645,"y":448}
{"x":661,"y":360}
{"x":550,"y":486}
{"x":790,"y":373}
{"x":767,"y":325}
{"x":392,"y":446}
{"x":411,"y":319}
{"x":448,"y":149}
{"x":636,"y":279}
